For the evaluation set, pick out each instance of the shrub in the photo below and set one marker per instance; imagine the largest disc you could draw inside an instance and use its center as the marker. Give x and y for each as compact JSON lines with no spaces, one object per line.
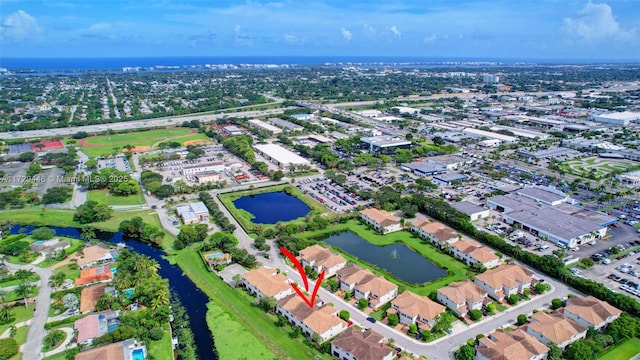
{"x":475,"y":314}
{"x":8,"y":348}
{"x":556,"y":303}
{"x":513,"y":299}
{"x":344,"y":315}
{"x":479,"y":336}
{"x":413,"y":329}
{"x":522,"y":319}
{"x":363,"y":303}
{"x":491,"y":307}
{"x":156,"y":333}
{"x":540,"y":288}
{"x":393,"y":319}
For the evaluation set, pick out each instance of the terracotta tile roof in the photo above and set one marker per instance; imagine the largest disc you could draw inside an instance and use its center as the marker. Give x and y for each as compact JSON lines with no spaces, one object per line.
{"x":93,"y":253}
{"x":354,"y":274}
{"x":319,"y":318}
{"x":509,"y":275}
{"x":94,"y":274}
{"x":89,"y":297}
{"x":376,"y":285}
{"x":592,"y":310}
{"x":441,"y":231}
{"x":515,"y":345}
{"x":107,"y":352}
{"x":362,"y":345}
{"x":476,"y":250}
{"x":555,"y":326}
{"x":413,"y":305}
{"x":88,"y":328}
{"x":268,"y":281}
{"x":381,"y":217}
{"x":321,"y":256}
{"x":463,"y":291}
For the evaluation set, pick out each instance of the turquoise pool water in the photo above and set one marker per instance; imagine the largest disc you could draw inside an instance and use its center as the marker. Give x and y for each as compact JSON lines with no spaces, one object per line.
{"x":39,"y":242}
{"x":137,"y":354}
{"x":113,"y":271}
{"x":214,"y":255}
{"x":128,"y":293}
{"x":112,"y":327}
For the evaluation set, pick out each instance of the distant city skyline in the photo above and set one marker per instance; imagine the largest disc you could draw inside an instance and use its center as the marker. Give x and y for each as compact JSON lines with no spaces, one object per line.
{"x":499,"y":29}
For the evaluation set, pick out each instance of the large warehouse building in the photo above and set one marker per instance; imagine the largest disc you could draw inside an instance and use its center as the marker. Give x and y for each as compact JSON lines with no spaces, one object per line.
{"x":280,"y":156}
{"x":618,"y":118}
{"x":385,"y":144}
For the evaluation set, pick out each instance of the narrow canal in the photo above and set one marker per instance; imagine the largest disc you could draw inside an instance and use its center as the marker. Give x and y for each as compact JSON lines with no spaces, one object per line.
{"x":191,"y":297}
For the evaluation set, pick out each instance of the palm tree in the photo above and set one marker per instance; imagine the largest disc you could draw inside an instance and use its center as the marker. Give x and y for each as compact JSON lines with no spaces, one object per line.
{"x":4,"y":313}
{"x":88,"y":233}
{"x":24,"y":274}
{"x":24,"y":291}
{"x":56,"y":280}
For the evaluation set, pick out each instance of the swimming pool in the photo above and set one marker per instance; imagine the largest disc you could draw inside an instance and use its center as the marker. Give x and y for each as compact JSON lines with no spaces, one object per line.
{"x":39,"y":242}
{"x":128,"y":293}
{"x":137,"y":354}
{"x":113,"y":271}
{"x":214,"y":255}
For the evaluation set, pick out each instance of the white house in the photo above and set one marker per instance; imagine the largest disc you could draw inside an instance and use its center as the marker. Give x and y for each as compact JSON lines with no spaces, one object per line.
{"x":266,"y":282}
{"x":415,"y":309}
{"x":504,"y":281}
{"x":321,"y":259}
{"x":462,"y":297}
{"x":474,"y":254}
{"x":589,"y":311}
{"x":381,"y":220}
{"x":321,"y":320}
{"x":555,"y":328}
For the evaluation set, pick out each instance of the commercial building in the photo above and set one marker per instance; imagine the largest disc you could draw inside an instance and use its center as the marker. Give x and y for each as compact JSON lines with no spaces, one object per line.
{"x":504,"y":139}
{"x":448,"y":178}
{"x":191,"y":213}
{"x":473,"y":211}
{"x":207,"y":177}
{"x":232,"y":130}
{"x":280,"y":156}
{"x":361,"y":345}
{"x":385,"y":144}
{"x":424,"y":168}
{"x":261,"y":125}
{"x":631,"y":179}
{"x":619,"y":118}
{"x":284,"y":124}
{"x":216,"y":167}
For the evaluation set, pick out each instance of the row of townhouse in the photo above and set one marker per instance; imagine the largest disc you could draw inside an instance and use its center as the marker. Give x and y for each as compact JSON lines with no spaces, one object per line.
{"x":464,"y":296}
{"x":469,"y":251}
{"x":321,"y":259}
{"x":561,"y":327}
{"x":266,"y":282}
{"x":365,"y":284}
{"x":321,"y":320}
{"x":382,"y":221}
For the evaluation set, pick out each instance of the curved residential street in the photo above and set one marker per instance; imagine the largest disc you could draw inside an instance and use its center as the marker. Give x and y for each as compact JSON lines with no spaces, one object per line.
{"x":32,"y":348}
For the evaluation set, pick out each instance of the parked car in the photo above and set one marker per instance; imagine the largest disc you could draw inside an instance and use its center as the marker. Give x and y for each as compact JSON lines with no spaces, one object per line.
{"x":370,"y":319}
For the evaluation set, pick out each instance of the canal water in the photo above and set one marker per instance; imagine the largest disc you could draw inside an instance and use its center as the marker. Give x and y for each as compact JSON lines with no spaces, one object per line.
{"x":191,"y":297}
{"x":269,"y":208}
{"x":397,"y":259}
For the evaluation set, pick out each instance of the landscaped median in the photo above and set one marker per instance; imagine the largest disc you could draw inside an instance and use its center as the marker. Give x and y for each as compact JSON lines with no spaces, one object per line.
{"x":456,"y":270}
{"x":244,"y":218}
{"x":239,"y":327}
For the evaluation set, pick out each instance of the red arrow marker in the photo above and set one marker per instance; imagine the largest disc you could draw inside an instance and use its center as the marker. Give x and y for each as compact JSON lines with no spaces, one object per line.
{"x":303,"y":274}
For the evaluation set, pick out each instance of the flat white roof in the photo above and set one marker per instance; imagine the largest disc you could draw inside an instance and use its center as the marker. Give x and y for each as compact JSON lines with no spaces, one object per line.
{"x":490,"y":135}
{"x":281,"y":155}
{"x":625,"y":115}
{"x":265,"y":126}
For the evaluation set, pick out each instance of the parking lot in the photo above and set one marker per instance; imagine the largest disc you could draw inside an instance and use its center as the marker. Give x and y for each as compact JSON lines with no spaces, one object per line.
{"x":118,"y":162}
{"x":330,"y":194}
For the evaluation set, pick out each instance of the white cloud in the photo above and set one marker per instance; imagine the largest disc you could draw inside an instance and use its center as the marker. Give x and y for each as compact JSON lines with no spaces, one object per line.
{"x":596,"y":22}
{"x":395,"y":31}
{"x":430,"y":38}
{"x":346,"y":34}
{"x":99,"y":26}
{"x":290,"y":39}
{"x":19,"y":26}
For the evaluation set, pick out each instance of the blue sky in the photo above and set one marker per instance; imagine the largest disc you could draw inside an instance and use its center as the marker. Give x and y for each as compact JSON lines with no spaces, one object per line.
{"x":498,"y":29}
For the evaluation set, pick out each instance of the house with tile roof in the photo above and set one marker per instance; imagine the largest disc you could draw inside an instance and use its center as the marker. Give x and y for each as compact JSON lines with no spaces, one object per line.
{"x":514,"y":345}
{"x":266,"y":282}
{"x":321,"y":259}
{"x":504,"y":281}
{"x":365,"y":284}
{"x":589,"y":311}
{"x":351,"y":275}
{"x":555,"y":328}
{"x":96,"y":274}
{"x":96,"y":325}
{"x":416,"y":309}
{"x":437,"y":233}
{"x":361,"y":345}
{"x":122,"y":350}
{"x":384,"y":222}
{"x":96,"y":254}
{"x":462,"y":297}
{"x":474,"y":254}
{"x":89,"y":297}
{"x":321,"y":320}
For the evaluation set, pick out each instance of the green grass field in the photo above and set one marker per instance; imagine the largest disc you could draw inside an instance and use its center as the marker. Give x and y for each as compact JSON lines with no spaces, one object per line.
{"x":457,"y":271}
{"x":104,"y":197}
{"x":257,"y":328}
{"x":70,"y":270}
{"x":623,"y":351}
{"x":19,"y":313}
{"x":595,"y":167}
{"x":103,"y":145}
{"x":244,"y":217}
{"x":161,"y":349}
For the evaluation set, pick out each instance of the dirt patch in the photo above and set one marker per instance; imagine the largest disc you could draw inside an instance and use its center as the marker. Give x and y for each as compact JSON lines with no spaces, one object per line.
{"x":196,"y":142}
{"x":138,"y":149}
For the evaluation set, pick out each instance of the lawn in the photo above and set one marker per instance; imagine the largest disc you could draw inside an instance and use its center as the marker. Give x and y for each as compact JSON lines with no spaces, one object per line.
{"x":257,"y":327}
{"x":244,"y":217}
{"x":596,"y":167}
{"x":457,"y":271}
{"x":161,"y":349}
{"x":71,"y":271}
{"x":623,"y":351}
{"x":75,"y":246}
{"x":19,"y":313}
{"x":104,"y":197}
{"x":104,"y":144}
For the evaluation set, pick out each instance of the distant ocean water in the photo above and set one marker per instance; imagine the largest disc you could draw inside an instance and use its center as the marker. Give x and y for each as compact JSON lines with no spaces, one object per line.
{"x":67,"y":64}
